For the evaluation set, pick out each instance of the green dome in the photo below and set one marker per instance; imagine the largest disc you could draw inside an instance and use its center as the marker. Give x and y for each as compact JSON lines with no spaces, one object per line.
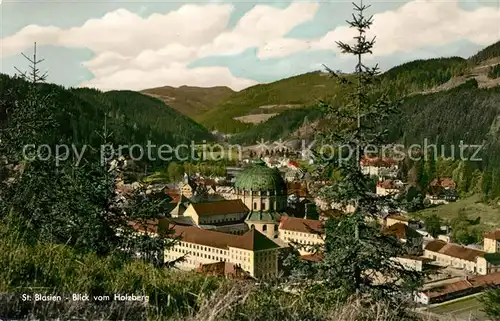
{"x":259,"y":177}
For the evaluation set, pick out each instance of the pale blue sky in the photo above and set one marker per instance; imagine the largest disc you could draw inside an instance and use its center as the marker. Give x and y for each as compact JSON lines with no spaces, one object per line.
{"x":158,"y":54}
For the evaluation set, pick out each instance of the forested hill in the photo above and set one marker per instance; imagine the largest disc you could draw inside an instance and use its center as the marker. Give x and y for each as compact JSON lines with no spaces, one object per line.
{"x":305,"y":90}
{"x":130,"y":117}
{"x":191,"y":101}
{"x":490,"y":52}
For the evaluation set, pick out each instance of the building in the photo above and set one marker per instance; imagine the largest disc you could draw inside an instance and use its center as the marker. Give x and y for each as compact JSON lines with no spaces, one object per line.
{"x":187,"y":186}
{"x":491,"y":242}
{"x":263,"y":191}
{"x":182,"y":204}
{"x":387,"y":187}
{"x":301,"y":231}
{"x":395,"y":219}
{"x":445,"y":182}
{"x":253,"y":252}
{"x":465,"y":287}
{"x":404,"y":233}
{"x":457,"y":256}
{"x":224,"y":216}
{"x":377,"y":166}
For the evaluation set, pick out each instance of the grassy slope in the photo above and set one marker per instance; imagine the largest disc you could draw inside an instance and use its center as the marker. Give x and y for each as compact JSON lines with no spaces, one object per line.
{"x":303,"y":89}
{"x":190,"y":101}
{"x":472,"y":206}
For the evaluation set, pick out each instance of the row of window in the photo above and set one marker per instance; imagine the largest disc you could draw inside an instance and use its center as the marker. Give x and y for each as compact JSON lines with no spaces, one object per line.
{"x":286,"y":232}
{"x":291,"y":239}
{"x":198,"y":247}
{"x":223,"y":220}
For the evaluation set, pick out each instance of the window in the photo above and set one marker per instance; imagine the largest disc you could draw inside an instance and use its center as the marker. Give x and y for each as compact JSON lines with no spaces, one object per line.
{"x":264,"y":228}
{"x":276,"y":228}
{"x":254,"y":205}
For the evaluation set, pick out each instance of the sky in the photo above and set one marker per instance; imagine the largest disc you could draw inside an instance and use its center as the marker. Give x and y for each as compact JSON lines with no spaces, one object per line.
{"x":143,"y":44}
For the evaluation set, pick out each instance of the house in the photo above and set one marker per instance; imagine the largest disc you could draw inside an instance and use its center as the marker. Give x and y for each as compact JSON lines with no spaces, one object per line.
{"x":387,"y":187}
{"x":395,"y":219}
{"x":403,"y":232}
{"x":187,"y":186}
{"x":378,"y":166}
{"x":253,"y":252}
{"x":457,"y":256}
{"x":441,"y":195}
{"x":491,"y":242}
{"x":407,"y":235}
{"x":443,"y":182}
{"x":301,"y":231}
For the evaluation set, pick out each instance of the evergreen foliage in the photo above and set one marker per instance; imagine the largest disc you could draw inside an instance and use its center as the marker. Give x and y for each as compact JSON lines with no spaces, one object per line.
{"x":492,"y":51}
{"x":494,"y":72}
{"x":358,"y":257}
{"x":56,"y":201}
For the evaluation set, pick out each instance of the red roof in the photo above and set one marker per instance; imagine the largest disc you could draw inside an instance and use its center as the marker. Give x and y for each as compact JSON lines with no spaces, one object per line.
{"x":387,"y":184}
{"x":454,"y":250}
{"x":493,"y":235}
{"x":220,"y":207}
{"x":443,"y":182}
{"x":470,"y":283}
{"x":435,"y":245}
{"x":300,"y":224}
{"x":400,"y":231}
{"x":252,"y":240}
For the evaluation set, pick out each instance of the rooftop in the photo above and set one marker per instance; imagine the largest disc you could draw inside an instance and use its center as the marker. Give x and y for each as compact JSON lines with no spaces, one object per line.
{"x":220,"y":207}
{"x":470,"y":283}
{"x":401,"y":231}
{"x":259,"y":177}
{"x":493,"y":235}
{"x":300,"y":224}
{"x":454,"y":250}
{"x":435,"y":245}
{"x":252,"y":240}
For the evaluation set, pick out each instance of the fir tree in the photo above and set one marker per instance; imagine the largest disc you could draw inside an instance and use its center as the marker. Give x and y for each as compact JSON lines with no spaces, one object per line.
{"x":357,"y":254}
{"x":53,"y":201}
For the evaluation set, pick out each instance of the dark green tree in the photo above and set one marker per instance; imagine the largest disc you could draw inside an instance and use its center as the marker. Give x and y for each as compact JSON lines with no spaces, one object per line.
{"x":433,"y":225}
{"x":55,"y":200}
{"x":357,"y":255}
{"x":175,"y":171}
{"x":491,"y":303}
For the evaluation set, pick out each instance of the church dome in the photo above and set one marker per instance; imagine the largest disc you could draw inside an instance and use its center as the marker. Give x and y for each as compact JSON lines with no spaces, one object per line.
{"x":259,"y":177}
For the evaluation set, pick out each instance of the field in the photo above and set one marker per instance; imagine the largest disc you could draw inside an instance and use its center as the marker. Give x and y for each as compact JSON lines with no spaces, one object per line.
{"x":472,"y":206}
{"x":468,"y":308}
